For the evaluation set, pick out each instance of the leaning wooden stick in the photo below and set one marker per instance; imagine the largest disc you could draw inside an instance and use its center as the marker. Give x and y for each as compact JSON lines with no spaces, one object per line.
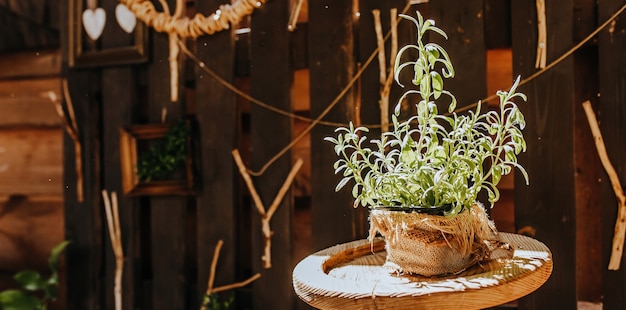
{"x":210,"y":290}
{"x":115,"y":234}
{"x":266,"y":216}
{"x":540,"y":61}
{"x":620,"y":224}
{"x":72,"y":130}
{"x":385,"y":76}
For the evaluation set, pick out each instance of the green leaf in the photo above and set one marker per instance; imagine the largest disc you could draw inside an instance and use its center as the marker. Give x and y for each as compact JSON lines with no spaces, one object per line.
{"x":437,"y":81}
{"x":342,"y":183}
{"x":53,"y":260}
{"x":30,"y":280}
{"x":19,"y":300}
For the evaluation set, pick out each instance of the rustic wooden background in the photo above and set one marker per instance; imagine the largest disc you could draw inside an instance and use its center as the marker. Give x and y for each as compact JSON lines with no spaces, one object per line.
{"x":169,"y":240}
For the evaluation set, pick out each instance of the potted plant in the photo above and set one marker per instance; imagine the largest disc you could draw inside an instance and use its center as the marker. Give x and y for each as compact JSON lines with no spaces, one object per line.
{"x":421,"y":180}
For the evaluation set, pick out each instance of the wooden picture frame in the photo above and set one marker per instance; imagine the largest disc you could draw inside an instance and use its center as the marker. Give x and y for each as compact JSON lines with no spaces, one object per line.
{"x":130,"y":136}
{"x":122,"y":48}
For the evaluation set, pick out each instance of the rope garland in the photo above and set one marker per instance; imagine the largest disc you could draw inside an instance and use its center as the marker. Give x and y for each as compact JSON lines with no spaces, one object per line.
{"x":199,"y":25}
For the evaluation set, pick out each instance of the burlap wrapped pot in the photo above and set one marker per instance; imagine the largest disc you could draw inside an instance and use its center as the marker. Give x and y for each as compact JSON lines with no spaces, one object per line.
{"x":430,"y":245}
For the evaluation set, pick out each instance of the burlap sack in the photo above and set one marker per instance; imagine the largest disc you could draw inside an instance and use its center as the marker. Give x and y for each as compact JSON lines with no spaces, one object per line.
{"x":430,"y":245}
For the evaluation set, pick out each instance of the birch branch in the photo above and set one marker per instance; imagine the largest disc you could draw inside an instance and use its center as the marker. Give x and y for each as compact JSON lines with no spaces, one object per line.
{"x":210,"y":290}
{"x":72,"y":130}
{"x":115,"y":234}
{"x":620,"y":224}
{"x":385,"y":76}
{"x":266,"y":216}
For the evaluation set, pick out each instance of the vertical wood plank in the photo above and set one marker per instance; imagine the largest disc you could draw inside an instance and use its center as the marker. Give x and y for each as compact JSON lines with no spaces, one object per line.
{"x":497,"y":24}
{"x":170,"y":278}
{"x":548,"y":203}
{"x":589,"y":266}
{"x":216,"y":113}
{"x":81,"y":280}
{"x":83,"y":226}
{"x":331,"y":65}
{"x":270,"y":81}
{"x":464,"y":25}
{"x":612,"y":116}
{"x":118,"y":99}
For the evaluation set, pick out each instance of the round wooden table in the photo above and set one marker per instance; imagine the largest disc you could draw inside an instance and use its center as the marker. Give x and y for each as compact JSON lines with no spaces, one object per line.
{"x":352,"y":276}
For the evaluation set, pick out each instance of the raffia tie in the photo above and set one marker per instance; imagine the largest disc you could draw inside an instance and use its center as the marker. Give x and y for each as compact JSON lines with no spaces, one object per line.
{"x":184,"y":27}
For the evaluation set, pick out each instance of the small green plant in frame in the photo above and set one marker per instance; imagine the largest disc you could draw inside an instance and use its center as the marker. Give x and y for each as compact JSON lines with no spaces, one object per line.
{"x":156,"y":159}
{"x":164,"y":157}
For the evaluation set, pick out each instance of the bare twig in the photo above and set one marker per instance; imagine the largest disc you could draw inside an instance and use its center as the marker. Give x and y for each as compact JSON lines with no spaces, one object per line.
{"x":210,"y":290}
{"x":620,"y":224}
{"x":266,"y":216}
{"x":72,"y":130}
{"x":385,"y":75}
{"x":540,"y":61}
{"x":115,"y":234}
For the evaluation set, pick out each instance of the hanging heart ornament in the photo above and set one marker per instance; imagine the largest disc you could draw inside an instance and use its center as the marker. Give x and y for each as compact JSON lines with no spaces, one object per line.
{"x":93,"y":22}
{"x":125,"y":18}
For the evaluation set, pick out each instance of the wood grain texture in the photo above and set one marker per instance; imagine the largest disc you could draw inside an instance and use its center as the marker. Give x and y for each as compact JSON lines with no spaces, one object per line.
{"x":27,"y":102}
{"x":352,"y":276}
{"x":31,"y":161}
{"x":31,"y":64}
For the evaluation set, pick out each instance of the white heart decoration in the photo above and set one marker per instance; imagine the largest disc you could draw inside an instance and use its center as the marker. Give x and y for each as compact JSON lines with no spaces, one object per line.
{"x":125,"y":18}
{"x":93,"y":22}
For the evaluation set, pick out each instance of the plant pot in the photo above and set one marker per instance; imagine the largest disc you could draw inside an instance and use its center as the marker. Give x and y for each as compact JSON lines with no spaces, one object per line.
{"x":431,"y":245}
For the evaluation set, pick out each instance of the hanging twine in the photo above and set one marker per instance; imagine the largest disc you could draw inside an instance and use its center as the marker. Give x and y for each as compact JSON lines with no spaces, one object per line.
{"x":199,"y":25}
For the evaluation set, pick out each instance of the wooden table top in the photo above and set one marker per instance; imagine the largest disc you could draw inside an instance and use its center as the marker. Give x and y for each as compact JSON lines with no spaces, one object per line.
{"x":351,"y":276}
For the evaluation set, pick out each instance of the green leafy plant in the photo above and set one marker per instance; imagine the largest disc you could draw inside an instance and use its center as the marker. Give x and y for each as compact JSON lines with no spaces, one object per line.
{"x":430,"y":160}
{"x":36,"y":291}
{"x":163,"y":158}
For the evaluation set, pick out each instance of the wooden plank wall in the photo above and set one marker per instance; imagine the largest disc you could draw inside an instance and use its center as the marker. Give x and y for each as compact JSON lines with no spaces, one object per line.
{"x":31,"y":171}
{"x":169,"y":241}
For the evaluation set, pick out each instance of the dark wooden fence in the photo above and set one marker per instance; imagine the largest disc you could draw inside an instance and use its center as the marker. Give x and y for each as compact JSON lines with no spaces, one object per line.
{"x":169,"y":240}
